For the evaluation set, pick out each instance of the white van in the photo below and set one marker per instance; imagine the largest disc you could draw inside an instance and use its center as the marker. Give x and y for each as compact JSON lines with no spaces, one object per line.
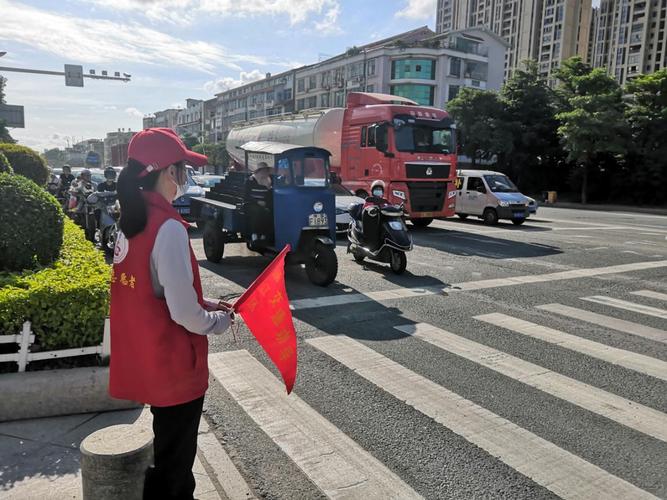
{"x":490,"y":196}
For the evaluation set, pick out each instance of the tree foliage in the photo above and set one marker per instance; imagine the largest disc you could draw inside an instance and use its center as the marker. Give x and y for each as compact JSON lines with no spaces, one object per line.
{"x":216,"y":152}
{"x":479,"y":118}
{"x":646,"y":114}
{"x":592,"y":123}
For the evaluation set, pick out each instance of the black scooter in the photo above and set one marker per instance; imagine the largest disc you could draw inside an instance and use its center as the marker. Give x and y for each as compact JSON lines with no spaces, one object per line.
{"x":379,"y":234}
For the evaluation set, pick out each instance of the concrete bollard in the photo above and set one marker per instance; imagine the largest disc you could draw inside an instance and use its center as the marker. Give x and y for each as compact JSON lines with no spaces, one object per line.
{"x":114,"y":460}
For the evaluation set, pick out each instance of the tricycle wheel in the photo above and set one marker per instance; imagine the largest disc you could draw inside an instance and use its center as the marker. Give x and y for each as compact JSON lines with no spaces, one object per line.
{"x":398,"y":262}
{"x":422,"y":222}
{"x":214,"y":244}
{"x":322,"y":265}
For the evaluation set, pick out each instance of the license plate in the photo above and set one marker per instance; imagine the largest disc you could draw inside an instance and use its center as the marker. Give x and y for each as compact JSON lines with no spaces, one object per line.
{"x":519,"y":215}
{"x":318,"y":220}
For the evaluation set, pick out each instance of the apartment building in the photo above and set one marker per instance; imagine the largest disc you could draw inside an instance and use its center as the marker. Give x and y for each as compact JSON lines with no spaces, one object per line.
{"x":631,"y":40}
{"x":419,"y":65}
{"x":544,"y":30}
{"x":167,"y":118}
{"x":189,"y":119}
{"x":115,"y":147}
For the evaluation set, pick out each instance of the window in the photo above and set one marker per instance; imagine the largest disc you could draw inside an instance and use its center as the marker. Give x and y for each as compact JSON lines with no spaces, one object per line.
{"x":287,"y":94}
{"x":500,"y":184}
{"x":364,"y":130}
{"x":311,"y":102}
{"x":370,"y":88}
{"x":476,"y":70}
{"x":300,"y":104}
{"x":370,"y":67}
{"x":453,"y":92}
{"x":324,"y":100}
{"x":475,"y":183}
{"x":312,"y":82}
{"x":371,"y":136}
{"x":455,"y":66}
{"x":339,"y":99}
{"x":310,"y":171}
{"x":300,"y":85}
{"x":419,"y":69}
{"x":422,"y":138}
{"x":422,"y":94}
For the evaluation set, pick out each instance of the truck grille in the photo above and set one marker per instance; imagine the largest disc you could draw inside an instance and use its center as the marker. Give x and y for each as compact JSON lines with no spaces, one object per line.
{"x":427,"y":196}
{"x":421,"y":171}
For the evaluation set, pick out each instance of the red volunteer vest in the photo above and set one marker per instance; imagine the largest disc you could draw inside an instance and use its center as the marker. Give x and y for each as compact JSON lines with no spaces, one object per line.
{"x":153,"y":359}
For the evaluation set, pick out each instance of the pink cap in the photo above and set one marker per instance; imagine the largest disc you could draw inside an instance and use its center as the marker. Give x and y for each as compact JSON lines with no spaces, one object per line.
{"x":157,"y":148}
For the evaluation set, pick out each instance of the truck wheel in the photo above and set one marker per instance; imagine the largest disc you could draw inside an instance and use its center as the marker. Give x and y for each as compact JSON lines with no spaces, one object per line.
{"x":398,"y":262}
{"x":214,"y":244}
{"x":322,"y":265}
{"x":423,"y":222}
{"x":518,"y":222}
{"x":490,"y":217}
{"x":462,"y":216}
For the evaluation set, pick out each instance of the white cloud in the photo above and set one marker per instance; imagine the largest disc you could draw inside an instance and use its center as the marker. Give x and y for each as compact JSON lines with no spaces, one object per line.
{"x":418,"y":9}
{"x":100,"y":41}
{"x":329,"y":25}
{"x":184,"y":11}
{"x":134,"y":112}
{"x":226,"y":83}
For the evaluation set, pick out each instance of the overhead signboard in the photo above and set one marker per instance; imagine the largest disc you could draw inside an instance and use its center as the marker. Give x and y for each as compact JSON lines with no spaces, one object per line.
{"x":13,"y":115}
{"x":73,"y":75}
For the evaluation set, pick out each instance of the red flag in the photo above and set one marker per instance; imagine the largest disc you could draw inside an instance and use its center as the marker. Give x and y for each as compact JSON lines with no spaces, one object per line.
{"x":264,"y":307}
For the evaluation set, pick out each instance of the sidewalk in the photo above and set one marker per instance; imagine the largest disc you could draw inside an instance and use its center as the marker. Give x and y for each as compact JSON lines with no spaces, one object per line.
{"x":39,"y":458}
{"x":607,"y":208}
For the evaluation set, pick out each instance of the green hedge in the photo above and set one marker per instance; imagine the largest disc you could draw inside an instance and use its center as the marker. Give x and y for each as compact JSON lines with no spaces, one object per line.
{"x":26,"y":162}
{"x":5,"y":166}
{"x":31,"y":224}
{"x":66,"y":302}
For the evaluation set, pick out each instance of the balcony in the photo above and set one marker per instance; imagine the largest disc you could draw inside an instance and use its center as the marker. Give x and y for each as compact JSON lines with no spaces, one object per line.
{"x":468,"y":48}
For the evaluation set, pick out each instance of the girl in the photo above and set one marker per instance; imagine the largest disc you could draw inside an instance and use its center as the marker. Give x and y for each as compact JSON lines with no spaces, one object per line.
{"x":159,"y":318}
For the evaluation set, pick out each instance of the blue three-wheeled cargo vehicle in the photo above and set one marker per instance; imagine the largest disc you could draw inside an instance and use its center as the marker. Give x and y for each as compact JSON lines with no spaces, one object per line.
{"x":300,"y":209}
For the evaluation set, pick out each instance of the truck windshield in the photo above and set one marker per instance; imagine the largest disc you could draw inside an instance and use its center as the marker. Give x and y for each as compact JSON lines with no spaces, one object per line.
{"x":500,"y":184}
{"x":416,"y":138}
{"x":310,"y":171}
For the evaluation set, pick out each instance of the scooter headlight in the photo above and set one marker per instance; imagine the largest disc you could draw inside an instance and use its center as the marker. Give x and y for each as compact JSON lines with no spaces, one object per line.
{"x":396,"y":225}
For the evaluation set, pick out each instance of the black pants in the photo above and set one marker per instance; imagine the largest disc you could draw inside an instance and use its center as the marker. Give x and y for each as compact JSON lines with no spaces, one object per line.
{"x":174,"y":447}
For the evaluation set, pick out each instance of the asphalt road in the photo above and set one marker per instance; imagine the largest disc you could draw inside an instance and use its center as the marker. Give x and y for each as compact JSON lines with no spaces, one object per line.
{"x":480,"y":393}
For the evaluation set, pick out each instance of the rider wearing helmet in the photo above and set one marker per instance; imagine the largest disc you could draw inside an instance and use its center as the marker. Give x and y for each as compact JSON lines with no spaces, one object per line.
{"x":377,"y":195}
{"x":110,"y":180}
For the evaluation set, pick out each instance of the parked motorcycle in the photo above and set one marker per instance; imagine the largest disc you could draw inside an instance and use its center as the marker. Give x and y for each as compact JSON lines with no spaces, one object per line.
{"x":106,"y":211}
{"x":379,"y":234}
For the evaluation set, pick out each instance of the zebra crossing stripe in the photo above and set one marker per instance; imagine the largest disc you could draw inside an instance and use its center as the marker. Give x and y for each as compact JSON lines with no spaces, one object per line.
{"x":558,"y":470}
{"x":628,"y":306}
{"x":616,"y":408}
{"x":619,"y":325}
{"x":336,"y":464}
{"x":651,"y":294}
{"x":630,"y":360}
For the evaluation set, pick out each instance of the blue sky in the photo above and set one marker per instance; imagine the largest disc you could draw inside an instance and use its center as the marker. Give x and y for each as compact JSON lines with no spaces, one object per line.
{"x":174,"y":49}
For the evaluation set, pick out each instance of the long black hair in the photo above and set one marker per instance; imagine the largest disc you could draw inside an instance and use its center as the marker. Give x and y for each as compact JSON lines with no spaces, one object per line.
{"x":132,"y":205}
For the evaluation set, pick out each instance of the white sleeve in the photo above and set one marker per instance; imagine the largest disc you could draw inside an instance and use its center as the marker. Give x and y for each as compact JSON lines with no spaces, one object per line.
{"x":171,"y":260}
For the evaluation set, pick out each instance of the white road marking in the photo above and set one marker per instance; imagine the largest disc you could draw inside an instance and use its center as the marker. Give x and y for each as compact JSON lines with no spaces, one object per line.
{"x":628,"y":306}
{"x":651,"y":294}
{"x":558,"y":470}
{"x":336,"y":464}
{"x":621,"y":410}
{"x":401,"y":293}
{"x":597,"y":248}
{"x":619,"y":325}
{"x":630,"y":360}
{"x":224,"y":470}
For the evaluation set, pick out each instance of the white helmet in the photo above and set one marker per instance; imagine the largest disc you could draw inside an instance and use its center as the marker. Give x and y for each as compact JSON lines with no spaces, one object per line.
{"x":378,"y":184}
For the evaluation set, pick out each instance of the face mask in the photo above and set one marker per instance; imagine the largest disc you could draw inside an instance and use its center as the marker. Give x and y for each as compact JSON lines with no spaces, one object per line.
{"x":378,"y":193}
{"x":181,"y":189}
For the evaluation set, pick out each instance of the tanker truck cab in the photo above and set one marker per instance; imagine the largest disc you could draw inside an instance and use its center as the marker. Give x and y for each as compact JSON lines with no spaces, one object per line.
{"x":490,"y":196}
{"x":408,"y":146}
{"x":302,"y":208}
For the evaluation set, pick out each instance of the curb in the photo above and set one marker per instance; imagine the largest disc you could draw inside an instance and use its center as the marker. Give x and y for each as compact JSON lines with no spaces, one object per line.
{"x":51,"y":393}
{"x":607,"y":208}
